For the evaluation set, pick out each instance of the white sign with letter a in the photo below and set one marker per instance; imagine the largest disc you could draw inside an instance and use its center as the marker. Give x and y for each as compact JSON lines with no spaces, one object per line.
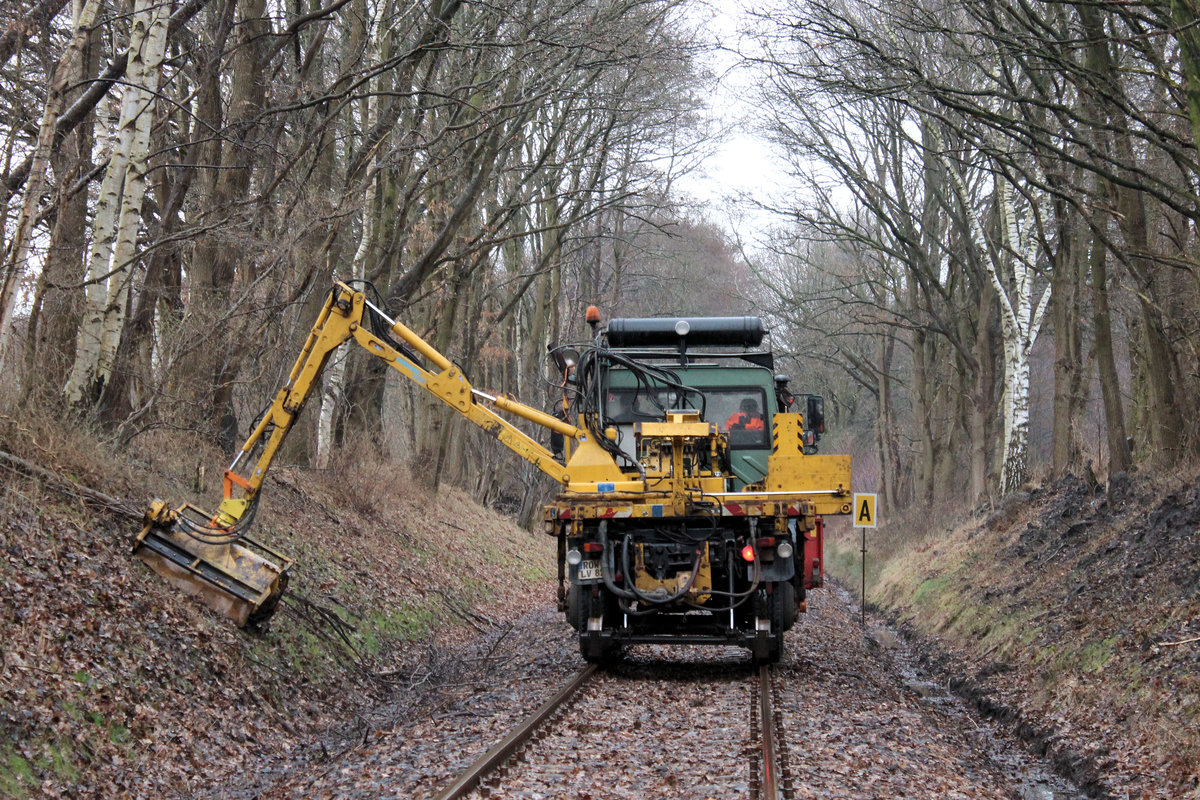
{"x":864,"y":511}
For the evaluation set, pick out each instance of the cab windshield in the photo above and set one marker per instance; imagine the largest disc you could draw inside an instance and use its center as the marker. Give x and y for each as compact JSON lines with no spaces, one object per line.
{"x":737,"y":411}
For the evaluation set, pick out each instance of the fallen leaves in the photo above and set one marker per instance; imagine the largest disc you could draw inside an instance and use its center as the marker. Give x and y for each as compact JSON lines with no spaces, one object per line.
{"x":112,"y":685}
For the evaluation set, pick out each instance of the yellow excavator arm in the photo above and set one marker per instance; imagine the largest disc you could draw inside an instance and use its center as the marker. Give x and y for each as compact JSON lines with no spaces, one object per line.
{"x":340,"y":321}
{"x":209,"y":554}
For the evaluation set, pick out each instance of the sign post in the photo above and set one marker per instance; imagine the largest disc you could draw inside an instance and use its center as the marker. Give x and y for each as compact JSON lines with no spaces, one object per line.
{"x":864,"y":517}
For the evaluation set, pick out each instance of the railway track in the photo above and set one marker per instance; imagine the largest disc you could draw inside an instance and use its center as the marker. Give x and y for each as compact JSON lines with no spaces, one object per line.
{"x":666,"y":724}
{"x":768,"y":726}
{"x":517,"y":756}
{"x":518,"y":737}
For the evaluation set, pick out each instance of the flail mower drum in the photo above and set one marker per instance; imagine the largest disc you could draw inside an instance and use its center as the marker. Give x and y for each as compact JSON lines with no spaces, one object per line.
{"x":231,"y":573}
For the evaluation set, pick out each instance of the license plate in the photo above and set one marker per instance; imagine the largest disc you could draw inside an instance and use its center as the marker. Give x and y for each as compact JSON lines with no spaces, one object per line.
{"x":589,"y":571}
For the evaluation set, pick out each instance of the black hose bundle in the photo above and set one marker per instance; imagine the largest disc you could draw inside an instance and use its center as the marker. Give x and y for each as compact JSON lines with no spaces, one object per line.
{"x":650,"y":379}
{"x":380,"y":326}
{"x":207,"y":534}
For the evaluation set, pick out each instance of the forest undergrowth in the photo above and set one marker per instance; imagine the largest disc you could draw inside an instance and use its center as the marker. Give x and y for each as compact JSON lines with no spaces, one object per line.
{"x":1071,"y":610}
{"x":114,"y":685}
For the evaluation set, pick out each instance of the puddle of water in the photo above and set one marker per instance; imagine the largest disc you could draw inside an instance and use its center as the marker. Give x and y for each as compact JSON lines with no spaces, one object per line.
{"x":1033,"y":779}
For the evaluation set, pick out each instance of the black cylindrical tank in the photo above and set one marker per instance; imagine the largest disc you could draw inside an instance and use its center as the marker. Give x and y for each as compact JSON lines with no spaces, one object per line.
{"x":701,"y":331}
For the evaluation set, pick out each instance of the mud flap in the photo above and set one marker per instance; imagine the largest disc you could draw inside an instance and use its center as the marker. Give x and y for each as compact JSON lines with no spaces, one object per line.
{"x":594,"y":646}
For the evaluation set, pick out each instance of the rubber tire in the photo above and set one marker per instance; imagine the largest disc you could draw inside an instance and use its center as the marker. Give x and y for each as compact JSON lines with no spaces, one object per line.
{"x":783,"y":606}
{"x":576,"y":617}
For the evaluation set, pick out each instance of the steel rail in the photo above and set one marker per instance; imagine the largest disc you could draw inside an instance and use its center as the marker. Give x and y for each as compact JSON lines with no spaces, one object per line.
{"x":470,"y":778}
{"x":770,"y":756}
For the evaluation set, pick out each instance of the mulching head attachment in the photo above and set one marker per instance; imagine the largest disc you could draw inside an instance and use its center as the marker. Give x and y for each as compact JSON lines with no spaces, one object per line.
{"x":229,"y":572}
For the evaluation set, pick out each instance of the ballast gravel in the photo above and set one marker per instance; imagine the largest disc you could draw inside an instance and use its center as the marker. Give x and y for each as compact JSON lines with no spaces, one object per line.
{"x":860,"y":723}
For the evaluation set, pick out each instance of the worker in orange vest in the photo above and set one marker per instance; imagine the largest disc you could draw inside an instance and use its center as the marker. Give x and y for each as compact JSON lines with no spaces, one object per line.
{"x":746,"y":419}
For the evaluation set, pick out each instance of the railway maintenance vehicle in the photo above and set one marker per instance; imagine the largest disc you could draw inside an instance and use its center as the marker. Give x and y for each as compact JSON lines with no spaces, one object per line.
{"x":691,"y":500}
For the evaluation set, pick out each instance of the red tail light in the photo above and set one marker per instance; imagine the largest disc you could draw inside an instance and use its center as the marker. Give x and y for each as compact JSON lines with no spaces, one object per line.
{"x":592,"y":547}
{"x":748,"y":553}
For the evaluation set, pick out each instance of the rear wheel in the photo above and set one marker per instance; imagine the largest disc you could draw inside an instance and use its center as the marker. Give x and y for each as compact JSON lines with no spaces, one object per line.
{"x":783,"y":603}
{"x":783,"y":613}
{"x":576,"y":613}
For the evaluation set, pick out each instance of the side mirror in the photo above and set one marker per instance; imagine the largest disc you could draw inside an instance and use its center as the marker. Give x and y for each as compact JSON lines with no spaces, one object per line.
{"x":815,"y":414}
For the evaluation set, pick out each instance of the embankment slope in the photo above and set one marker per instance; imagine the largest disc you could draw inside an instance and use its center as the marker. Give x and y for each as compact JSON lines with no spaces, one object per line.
{"x":1071,"y":610}
{"x":114,"y":685}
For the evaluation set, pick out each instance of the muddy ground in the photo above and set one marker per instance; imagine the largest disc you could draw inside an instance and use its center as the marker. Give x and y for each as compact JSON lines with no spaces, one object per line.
{"x":1072,"y":610}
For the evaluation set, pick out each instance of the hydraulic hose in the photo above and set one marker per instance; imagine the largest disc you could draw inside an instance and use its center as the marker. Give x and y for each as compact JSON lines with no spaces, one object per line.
{"x":740,"y":596}
{"x":611,"y":584}
{"x":209,"y":535}
{"x":736,"y":598}
{"x":645,"y":598}
{"x":605,"y":569}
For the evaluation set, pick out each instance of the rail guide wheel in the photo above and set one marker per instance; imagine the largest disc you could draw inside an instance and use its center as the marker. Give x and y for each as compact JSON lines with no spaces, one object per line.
{"x":767,"y":646}
{"x":598,"y":618}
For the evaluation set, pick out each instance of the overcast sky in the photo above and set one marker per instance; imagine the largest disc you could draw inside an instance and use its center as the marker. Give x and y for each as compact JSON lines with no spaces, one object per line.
{"x":745,"y":164}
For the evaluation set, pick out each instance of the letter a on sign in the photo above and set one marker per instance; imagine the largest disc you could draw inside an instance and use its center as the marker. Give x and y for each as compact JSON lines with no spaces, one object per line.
{"x":864,"y":511}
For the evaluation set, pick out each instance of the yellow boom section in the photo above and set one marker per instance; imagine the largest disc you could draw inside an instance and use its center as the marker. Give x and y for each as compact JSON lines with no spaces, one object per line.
{"x":208,"y":555}
{"x":342,"y":320}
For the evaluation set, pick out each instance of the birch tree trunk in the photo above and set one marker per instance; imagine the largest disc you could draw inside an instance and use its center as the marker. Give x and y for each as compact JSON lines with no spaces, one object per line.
{"x":1020,"y":319}
{"x":118,"y":213}
{"x":60,"y":84}
{"x":333,"y":390}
